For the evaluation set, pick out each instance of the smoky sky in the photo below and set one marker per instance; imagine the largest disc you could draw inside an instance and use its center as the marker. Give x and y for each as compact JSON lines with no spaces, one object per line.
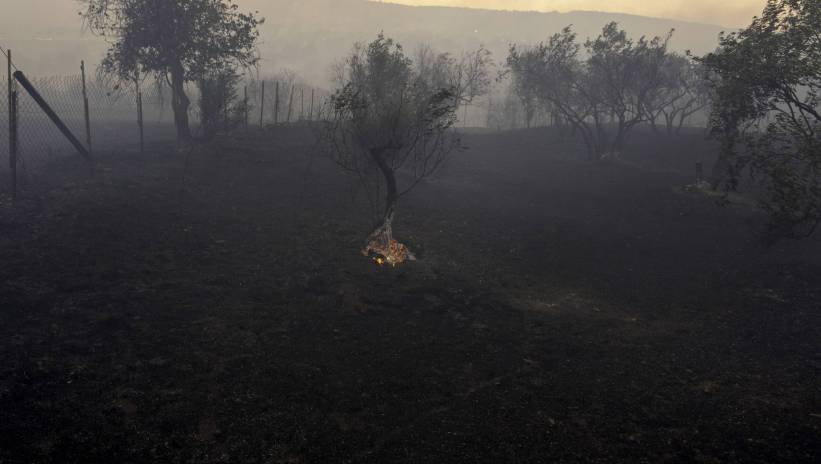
{"x":723,"y":12}
{"x":308,"y":36}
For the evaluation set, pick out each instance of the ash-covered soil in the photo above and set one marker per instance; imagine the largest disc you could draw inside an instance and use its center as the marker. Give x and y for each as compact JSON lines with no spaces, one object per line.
{"x":215,"y":308}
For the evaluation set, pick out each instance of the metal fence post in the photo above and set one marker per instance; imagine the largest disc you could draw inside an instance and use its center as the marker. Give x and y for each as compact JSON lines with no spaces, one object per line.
{"x":276,"y":105}
{"x":245,"y":106}
{"x":12,"y":129}
{"x":49,"y":111}
{"x":226,"y":118}
{"x":262,"y":104}
{"x":140,"y":115}
{"x":85,"y":107}
{"x":290,"y":104}
{"x":14,"y":115}
{"x":311,"y":112}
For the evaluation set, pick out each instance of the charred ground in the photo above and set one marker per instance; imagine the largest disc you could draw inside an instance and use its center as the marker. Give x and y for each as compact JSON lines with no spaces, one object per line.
{"x":216,"y":310}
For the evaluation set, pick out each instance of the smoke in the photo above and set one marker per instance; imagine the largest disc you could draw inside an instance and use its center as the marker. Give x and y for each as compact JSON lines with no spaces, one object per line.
{"x":733,"y":13}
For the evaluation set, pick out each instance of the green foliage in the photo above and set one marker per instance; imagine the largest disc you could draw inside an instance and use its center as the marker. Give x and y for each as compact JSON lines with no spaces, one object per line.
{"x":767,"y":111}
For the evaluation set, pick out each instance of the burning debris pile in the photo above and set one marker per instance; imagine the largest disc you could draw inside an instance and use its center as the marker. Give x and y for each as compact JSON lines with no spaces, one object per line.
{"x":384,"y":249}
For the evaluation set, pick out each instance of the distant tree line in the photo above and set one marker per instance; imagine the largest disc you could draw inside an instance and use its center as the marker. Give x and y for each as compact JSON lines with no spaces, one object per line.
{"x":606,"y":86}
{"x":395,"y":114}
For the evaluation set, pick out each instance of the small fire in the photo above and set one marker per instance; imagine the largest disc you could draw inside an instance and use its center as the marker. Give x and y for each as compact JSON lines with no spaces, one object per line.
{"x":384,"y":249}
{"x":393,"y":254}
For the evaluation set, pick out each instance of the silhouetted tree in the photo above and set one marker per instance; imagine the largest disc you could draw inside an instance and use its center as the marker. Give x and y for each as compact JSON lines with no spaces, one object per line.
{"x":468,"y":77}
{"x":685,"y":92}
{"x":767,"y":111}
{"x":218,"y":101}
{"x":178,"y":41}
{"x":623,"y":75}
{"x":392,"y":116}
{"x":602,"y":95}
{"x":525,"y":83}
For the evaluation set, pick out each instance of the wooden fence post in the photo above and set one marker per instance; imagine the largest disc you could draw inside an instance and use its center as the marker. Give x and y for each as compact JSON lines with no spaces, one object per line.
{"x":85,"y":107}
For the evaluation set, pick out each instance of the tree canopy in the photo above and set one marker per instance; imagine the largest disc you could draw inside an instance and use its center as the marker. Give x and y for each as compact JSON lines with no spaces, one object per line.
{"x":177,"y":41}
{"x":393,"y":115}
{"x":767,"y":111}
{"x":603,"y":94}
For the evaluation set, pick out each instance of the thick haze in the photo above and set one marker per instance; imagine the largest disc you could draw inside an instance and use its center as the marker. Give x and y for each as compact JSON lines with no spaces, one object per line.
{"x":307,"y":36}
{"x":734,"y":13}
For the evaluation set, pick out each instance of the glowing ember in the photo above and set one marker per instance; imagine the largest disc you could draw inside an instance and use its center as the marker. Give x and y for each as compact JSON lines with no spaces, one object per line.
{"x":384,"y":249}
{"x":393,"y":254}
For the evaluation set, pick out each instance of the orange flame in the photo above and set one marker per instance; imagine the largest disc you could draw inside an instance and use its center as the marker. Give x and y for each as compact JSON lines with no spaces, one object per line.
{"x":384,"y":249}
{"x":393,"y":254}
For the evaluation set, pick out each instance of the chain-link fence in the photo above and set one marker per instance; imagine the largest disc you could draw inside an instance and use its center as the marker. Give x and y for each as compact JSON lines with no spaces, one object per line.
{"x":114,"y":110}
{"x":284,"y":101}
{"x":113,"y":118}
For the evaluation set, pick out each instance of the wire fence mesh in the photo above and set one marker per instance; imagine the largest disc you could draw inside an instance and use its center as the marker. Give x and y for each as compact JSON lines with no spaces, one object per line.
{"x":285,"y":101}
{"x":112,"y":111}
{"x":113,"y":114}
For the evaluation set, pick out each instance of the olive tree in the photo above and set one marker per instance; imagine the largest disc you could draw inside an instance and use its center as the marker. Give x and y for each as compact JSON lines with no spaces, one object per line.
{"x":524,"y":83}
{"x":766,"y":112}
{"x":468,"y":77}
{"x":602,"y":92}
{"x":556,"y":75}
{"x":178,"y":41}
{"x":391,"y":116}
{"x":684,"y":93}
{"x":623,"y":75}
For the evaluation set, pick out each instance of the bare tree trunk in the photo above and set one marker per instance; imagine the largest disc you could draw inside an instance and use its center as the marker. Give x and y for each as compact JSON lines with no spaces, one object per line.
{"x":670,"y":121}
{"x":180,"y":103}
{"x":724,"y":173}
{"x":528,"y":116}
{"x":391,"y":191}
{"x":590,"y":137}
{"x":681,"y":122}
{"x":618,"y":141}
{"x":381,"y":245}
{"x":600,"y":138}
{"x":651,"y":119}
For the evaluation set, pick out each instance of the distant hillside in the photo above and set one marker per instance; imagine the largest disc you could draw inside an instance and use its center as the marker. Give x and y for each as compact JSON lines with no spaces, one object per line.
{"x":309,"y":35}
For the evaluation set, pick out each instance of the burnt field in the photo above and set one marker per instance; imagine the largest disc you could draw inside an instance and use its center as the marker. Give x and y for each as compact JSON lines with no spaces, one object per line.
{"x":215,"y":308}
